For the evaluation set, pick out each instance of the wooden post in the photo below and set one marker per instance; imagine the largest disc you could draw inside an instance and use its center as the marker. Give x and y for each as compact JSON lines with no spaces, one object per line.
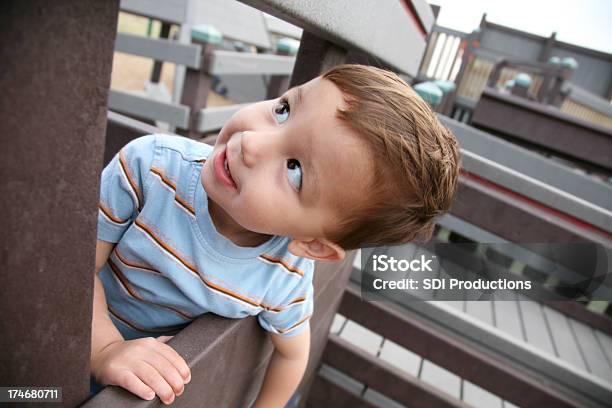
{"x":432,"y":37}
{"x":519,"y":90}
{"x":315,"y":56}
{"x":278,"y":84}
{"x":56,"y":66}
{"x":197,"y":83}
{"x":157,"y":65}
{"x":548,"y":46}
{"x":494,"y":77}
{"x":195,"y":94}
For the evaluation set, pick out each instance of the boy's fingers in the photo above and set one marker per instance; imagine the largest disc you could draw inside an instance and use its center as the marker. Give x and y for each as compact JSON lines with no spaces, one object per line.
{"x":164,"y":339}
{"x":151,"y":377}
{"x":175,"y":358}
{"x":132,"y":383}
{"x":168,"y":371}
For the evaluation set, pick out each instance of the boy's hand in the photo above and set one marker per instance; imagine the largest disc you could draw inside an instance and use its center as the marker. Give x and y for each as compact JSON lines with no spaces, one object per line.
{"x":144,"y":367}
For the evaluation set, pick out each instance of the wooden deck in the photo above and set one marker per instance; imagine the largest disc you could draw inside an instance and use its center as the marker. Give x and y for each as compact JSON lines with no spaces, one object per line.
{"x":408,"y":362}
{"x":521,"y":328}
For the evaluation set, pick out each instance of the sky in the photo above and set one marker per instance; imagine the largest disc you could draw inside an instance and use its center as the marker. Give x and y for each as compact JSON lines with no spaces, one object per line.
{"x":587,"y":23}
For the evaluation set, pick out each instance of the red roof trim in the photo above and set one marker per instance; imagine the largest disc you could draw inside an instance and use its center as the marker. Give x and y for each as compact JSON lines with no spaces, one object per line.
{"x":409,"y":7}
{"x":566,"y":217}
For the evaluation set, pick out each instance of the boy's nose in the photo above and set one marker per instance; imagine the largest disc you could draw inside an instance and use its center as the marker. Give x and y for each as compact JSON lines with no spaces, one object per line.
{"x":256,"y":145}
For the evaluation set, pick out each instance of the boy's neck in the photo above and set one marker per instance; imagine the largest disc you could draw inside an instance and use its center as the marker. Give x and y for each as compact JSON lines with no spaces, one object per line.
{"x":233,"y":231}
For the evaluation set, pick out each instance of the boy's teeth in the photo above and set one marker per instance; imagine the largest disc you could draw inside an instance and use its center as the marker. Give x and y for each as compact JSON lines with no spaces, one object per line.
{"x":227,"y":168}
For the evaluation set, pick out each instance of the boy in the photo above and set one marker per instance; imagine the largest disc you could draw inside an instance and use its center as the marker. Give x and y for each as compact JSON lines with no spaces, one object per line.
{"x":351,"y":157}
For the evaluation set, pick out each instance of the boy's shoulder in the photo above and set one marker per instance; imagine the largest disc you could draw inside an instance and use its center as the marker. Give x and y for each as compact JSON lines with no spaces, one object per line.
{"x":282,"y":259}
{"x":189,"y":149}
{"x":149,"y":145}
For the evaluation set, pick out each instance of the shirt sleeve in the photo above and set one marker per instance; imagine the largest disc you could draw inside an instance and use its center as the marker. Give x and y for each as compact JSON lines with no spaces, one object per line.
{"x":122,"y":188}
{"x":294,"y":314}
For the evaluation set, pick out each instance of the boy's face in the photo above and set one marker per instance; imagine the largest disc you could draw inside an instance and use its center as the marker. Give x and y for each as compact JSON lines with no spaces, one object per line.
{"x":294,"y":167}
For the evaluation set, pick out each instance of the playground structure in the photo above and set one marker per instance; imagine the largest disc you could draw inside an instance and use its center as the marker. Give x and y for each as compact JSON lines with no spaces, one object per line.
{"x":574,"y":78}
{"x":476,"y":353}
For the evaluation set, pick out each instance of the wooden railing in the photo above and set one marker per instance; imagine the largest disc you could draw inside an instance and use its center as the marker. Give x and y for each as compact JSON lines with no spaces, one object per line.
{"x":546,"y":129}
{"x":444,"y":53}
{"x":586,"y":106}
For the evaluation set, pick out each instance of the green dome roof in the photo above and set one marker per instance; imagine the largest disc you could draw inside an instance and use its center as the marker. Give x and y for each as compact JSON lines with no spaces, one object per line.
{"x":445,"y":86}
{"x":523,"y":80}
{"x":569,"y":62}
{"x":429,"y":92}
{"x":288,"y":45}
{"x":206,"y":33}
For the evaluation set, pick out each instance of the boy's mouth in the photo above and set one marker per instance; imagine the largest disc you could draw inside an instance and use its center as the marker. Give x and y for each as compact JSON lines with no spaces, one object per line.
{"x":222,"y":170}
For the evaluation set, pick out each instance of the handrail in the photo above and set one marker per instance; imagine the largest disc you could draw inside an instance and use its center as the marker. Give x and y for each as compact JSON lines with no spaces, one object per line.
{"x":537,"y":190}
{"x":544,"y":126}
{"x":170,"y":11}
{"x":530,"y":163}
{"x":160,"y":49}
{"x":321,"y":18}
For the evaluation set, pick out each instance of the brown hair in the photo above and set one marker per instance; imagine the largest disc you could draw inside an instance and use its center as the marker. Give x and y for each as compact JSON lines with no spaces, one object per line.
{"x":413,"y":152}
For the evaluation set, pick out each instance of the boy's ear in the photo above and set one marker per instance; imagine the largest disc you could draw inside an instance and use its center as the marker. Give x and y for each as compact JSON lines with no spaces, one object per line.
{"x":318,"y":249}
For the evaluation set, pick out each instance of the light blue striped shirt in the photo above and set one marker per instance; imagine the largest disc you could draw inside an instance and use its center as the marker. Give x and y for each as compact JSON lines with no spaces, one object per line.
{"x":170,"y":264}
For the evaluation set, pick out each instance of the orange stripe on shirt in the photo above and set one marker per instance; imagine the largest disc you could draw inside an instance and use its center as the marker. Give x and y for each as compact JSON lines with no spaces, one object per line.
{"x":170,"y":184}
{"x":297,"y":300}
{"x":110,"y":215}
{"x":167,"y":247}
{"x":192,"y":268}
{"x":131,"y":264}
{"x":138,"y":328}
{"x":283,"y":263}
{"x":294,"y":326}
{"x":126,"y":170}
{"x":126,"y":284}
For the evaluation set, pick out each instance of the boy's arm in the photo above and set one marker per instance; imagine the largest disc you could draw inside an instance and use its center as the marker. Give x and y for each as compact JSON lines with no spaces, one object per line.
{"x":103,"y":330}
{"x":285,"y":370}
{"x":144,"y":367}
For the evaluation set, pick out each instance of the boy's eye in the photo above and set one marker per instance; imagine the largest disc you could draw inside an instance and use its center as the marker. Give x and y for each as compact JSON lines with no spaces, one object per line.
{"x":294,"y":173}
{"x":282,"y":110}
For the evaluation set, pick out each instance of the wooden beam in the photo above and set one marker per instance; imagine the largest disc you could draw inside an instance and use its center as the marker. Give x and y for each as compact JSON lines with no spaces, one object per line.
{"x":530,"y":163}
{"x":160,"y":49}
{"x":546,"y":128}
{"x":147,"y":108}
{"x":326,"y":393}
{"x":342,"y":22}
{"x":242,"y":63}
{"x":536,"y":190}
{"x":495,"y":375}
{"x":498,"y":210}
{"x":171,"y":11}
{"x":383,"y":377}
